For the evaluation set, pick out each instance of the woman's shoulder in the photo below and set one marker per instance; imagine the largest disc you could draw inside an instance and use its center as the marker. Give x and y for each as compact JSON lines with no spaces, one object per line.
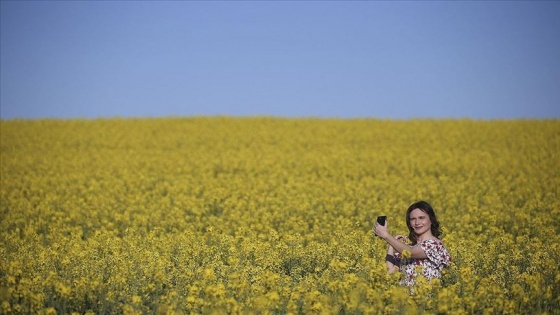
{"x":431,"y":242}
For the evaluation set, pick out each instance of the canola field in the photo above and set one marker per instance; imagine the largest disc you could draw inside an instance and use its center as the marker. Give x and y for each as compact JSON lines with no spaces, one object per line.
{"x":262,"y":215}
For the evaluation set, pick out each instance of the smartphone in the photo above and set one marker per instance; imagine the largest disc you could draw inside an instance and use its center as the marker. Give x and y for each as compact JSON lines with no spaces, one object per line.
{"x":381,"y":219}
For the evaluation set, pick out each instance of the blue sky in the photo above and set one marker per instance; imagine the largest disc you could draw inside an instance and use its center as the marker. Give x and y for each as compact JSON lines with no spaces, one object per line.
{"x":344,"y":59}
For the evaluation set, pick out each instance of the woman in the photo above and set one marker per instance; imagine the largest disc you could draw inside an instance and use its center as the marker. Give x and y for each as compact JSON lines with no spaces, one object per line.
{"x":425,"y":249}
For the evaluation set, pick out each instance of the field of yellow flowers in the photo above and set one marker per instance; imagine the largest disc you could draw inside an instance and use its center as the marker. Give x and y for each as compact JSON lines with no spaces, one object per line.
{"x":274,"y":215}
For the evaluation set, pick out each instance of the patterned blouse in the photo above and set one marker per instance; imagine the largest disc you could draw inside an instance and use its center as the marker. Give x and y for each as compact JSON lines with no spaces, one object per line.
{"x":437,"y":258}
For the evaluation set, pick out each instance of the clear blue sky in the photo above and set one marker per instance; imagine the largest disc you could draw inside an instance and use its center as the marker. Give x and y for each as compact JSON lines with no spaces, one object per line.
{"x":380,"y":59}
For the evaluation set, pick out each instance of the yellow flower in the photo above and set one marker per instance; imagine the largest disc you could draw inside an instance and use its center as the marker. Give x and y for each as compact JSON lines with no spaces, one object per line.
{"x":406,"y":253}
{"x":6,"y":307}
{"x":136,"y":299}
{"x":50,"y":311}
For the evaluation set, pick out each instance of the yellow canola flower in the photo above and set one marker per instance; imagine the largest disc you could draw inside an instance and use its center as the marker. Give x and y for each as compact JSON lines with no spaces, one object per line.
{"x":136,"y":299}
{"x":406,"y":253}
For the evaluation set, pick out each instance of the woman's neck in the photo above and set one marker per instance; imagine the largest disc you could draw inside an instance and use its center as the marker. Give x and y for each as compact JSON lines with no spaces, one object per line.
{"x":423,"y":237}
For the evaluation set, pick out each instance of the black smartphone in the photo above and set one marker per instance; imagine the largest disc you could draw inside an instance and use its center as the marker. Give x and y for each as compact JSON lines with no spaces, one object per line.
{"x":381,"y":219}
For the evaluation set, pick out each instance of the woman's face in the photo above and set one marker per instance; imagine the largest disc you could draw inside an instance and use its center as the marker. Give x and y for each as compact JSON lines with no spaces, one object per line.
{"x":420,"y":222}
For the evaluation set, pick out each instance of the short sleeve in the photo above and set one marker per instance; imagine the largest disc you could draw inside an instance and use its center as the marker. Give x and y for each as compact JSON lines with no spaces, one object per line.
{"x":436,"y":252}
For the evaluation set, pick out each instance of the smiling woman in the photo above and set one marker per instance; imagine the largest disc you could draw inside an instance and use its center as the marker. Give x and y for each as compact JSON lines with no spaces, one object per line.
{"x":425,"y":249}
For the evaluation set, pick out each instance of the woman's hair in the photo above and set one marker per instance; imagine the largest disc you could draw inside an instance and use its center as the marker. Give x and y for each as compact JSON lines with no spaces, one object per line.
{"x":426,"y":208}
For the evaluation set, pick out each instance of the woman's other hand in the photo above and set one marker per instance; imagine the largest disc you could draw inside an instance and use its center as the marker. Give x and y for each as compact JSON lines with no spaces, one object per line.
{"x":402,"y":238}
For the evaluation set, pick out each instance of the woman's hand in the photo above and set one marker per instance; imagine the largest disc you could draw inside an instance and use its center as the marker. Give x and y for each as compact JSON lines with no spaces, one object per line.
{"x":381,"y":230}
